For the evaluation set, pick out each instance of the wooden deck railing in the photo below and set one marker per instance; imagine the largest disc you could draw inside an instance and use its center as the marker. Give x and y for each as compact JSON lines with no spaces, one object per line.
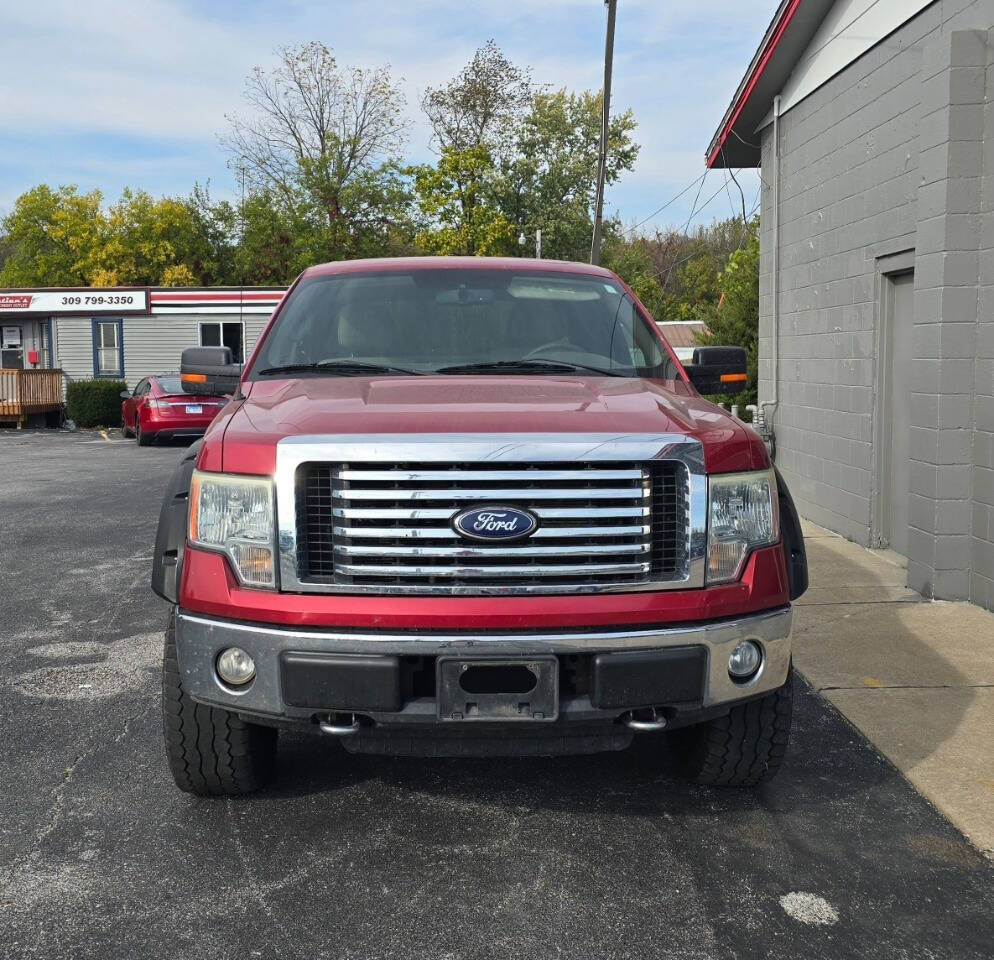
{"x":23,"y":392}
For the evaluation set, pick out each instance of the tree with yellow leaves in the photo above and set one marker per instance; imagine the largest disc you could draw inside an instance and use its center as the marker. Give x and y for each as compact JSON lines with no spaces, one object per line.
{"x":54,"y":238}
{"x":150,"y":242}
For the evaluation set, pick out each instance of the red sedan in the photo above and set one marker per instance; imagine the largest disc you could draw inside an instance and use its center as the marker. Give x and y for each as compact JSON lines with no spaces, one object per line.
{"x":158,"y":407}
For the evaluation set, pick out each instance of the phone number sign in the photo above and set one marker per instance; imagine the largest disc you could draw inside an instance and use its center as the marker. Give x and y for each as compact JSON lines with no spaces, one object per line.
{"x":88,"y":301}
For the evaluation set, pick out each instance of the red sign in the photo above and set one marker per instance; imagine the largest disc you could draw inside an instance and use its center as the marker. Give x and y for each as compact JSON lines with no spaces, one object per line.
{"x":15,"y":301}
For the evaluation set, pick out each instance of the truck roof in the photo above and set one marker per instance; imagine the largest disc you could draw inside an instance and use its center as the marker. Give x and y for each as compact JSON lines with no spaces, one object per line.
{"x":517,"y":264}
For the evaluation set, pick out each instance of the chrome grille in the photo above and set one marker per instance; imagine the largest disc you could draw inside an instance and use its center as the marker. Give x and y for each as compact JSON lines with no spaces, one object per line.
{"x":389,"y":525}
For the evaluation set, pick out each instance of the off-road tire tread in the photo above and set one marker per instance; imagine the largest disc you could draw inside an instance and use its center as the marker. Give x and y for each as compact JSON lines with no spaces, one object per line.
{"x":211,"y":752}
{"x":745,"y":747}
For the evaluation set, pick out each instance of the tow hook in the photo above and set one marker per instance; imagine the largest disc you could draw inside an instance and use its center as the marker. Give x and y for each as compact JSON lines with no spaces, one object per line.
{"x":655,"y":721}
{"x":333,"y":724}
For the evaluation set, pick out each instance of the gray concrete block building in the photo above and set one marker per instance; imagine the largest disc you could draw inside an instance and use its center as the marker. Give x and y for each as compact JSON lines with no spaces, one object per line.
{"x":872,"y":125}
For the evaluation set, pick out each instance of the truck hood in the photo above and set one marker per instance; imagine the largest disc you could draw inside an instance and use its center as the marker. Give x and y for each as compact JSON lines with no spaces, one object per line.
{"x":274,"y":409}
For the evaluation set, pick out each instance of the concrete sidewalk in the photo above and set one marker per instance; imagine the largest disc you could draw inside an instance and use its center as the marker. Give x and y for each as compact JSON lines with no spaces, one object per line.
{"x":917,"y":678}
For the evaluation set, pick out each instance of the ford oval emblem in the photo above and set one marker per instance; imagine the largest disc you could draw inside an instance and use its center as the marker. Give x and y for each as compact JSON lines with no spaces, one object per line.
{"x":495,"y":523}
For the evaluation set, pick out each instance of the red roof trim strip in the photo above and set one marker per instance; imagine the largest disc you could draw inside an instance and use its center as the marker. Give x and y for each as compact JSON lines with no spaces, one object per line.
{"x":223,"y":297}
{"x":754,"y":79}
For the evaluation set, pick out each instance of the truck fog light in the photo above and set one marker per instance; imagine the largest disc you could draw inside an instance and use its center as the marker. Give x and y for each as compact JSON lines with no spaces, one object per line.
{"x":235,"y":666}
{"x":745,"y":660}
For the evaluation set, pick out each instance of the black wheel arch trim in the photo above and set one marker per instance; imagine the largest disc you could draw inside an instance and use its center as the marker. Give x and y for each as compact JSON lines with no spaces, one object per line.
{"x":793,"y":540}
{"x":171,"y":536}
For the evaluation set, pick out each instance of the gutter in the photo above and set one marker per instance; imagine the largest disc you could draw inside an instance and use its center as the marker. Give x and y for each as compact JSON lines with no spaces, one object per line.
{"x":748,"y":84}
{"x":769,"y":406}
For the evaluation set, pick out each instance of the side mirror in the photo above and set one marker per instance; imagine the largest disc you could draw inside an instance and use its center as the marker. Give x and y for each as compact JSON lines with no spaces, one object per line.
{"x":125,"y":394}
{"x":209,"y":370}
{"x":718,"y":369}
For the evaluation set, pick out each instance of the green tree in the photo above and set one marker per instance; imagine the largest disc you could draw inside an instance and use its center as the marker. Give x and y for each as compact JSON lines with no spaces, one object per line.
{"x":268,"y":242}
{"x":689,"y":266}
{"x":53,"y":238}
{"x":473,"y":119}
{"x":514,"y":159}
{"x":216,"y":223}
{"x":630,"y":260}
{"x":550,"y":182}
{"x":456,"y":198}
{"x":735,"y":320}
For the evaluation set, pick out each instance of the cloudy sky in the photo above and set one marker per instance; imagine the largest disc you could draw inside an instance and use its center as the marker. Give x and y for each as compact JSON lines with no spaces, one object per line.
{"x":109,"y":93}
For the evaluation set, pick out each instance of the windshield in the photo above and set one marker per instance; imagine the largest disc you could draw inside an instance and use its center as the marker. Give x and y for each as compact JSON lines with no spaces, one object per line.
{"x":461,"y":321}
{"x":169,"y":384}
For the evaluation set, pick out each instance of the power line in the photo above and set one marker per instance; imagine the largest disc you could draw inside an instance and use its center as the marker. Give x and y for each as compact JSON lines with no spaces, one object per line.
{"x":745,"y":223}
{"x":731,"y":202}
{"x":739,"y":185}
{"x":697,"y":210}
{"x":738,"y":246}
{"x":686,"y":226}
{"x":755,"y":146}
{"x":738,"y":136}
{"x":693,"y":210}
{"x":690,"y":186}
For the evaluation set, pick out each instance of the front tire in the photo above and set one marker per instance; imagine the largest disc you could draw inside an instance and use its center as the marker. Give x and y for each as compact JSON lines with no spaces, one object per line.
{"x":211,"y":752}
{"x":745,"y":747}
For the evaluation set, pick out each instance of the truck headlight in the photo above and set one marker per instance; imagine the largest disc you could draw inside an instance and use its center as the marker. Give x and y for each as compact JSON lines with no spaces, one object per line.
{"x":742,"y":515}
{"x":234,"y":515}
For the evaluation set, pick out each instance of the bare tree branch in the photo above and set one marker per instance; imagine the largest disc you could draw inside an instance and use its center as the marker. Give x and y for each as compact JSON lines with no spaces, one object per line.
{"x":315,"y":127}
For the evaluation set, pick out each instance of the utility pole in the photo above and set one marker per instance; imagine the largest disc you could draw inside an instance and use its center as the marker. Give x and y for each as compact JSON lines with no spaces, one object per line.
{"x":538,"y":244}
{"x":241,"y":272}
{"x":595,"y":247}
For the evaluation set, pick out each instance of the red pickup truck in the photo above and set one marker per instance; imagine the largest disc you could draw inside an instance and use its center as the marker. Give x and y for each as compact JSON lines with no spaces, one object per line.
{"x":464,"y":507}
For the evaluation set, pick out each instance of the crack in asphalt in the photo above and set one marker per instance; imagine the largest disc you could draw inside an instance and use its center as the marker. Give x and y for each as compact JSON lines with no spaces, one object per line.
{"x":56,"y":809}
{"x":259,"y":890}
{"x":57,"y":806}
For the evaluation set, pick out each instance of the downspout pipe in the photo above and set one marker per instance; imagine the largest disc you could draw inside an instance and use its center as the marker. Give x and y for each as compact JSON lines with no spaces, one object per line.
{"x":769,"y":406}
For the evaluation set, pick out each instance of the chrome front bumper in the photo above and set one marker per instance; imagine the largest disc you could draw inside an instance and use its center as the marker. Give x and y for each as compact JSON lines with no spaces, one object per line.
{"x":200,"y":639}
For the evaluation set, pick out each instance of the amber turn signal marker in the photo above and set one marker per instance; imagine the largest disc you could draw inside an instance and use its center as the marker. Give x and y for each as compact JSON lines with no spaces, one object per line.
{"x":194,"y":507}
{"x":733,"y":378}
{"x":194,"y":377}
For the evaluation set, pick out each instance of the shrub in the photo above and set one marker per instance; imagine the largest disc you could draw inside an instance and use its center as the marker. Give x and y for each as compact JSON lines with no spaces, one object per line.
{"x":95,"y":403}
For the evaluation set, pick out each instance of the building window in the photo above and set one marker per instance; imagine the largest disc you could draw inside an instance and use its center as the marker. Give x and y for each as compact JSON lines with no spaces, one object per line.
{"x":108,"y":348}
{"x":224,"y":334}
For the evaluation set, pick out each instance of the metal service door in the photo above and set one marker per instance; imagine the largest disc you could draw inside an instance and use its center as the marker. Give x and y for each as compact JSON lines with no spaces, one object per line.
{"x":896,"y":436}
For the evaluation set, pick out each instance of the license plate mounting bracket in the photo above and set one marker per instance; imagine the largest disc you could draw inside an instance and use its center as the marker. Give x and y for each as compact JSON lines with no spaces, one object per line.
{"x":497,"y":689}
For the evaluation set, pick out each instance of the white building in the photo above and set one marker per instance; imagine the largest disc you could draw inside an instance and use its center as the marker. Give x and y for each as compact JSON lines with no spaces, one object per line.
{"x":127,"y":332}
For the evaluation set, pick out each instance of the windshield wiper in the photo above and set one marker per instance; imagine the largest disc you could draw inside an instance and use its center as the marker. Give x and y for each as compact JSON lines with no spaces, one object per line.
{"x":344,"y":367}
{"x":526,"y":363}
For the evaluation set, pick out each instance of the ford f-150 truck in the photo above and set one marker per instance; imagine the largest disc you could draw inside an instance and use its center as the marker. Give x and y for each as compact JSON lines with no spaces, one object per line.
{"x":463,"y":507}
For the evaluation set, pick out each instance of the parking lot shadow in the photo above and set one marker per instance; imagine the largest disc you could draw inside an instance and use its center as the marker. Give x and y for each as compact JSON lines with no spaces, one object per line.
{"x":642,"y":780}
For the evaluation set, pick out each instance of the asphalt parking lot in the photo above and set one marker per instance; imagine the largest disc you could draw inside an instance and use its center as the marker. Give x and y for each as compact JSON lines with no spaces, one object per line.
{"x":364,"y":857}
